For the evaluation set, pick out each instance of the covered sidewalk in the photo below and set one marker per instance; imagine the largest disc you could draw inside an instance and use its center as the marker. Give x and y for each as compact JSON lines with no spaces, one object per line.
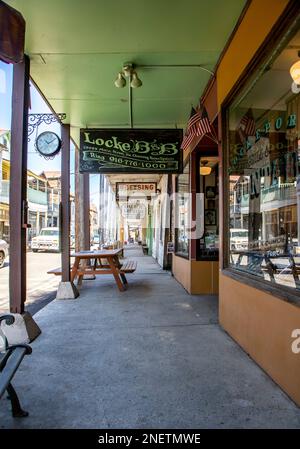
{"x":150,"y":357}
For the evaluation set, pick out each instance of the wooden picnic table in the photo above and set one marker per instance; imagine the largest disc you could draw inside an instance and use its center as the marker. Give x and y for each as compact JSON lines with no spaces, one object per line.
{"x":105,"y":261}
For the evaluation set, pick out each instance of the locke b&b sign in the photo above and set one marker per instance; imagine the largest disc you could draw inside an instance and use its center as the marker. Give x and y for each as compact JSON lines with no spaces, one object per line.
{"x":130,"y":151}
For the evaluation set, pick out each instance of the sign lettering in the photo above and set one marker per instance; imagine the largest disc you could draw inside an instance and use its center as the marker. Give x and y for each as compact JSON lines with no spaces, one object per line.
{"x":130,"y":150}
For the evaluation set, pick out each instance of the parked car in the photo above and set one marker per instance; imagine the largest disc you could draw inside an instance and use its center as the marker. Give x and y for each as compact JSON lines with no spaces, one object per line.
{"x":96,"y":239}
{"x":239,"y":239}
{"x":3,"y":252}
{"x":47,"y":240}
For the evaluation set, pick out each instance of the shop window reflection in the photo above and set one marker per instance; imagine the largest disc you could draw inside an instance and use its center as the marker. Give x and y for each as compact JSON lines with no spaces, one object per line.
{"x":264,"y":185}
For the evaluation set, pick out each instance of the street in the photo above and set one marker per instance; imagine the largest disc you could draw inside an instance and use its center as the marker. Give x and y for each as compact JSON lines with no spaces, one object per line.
{"x":41,"y":286}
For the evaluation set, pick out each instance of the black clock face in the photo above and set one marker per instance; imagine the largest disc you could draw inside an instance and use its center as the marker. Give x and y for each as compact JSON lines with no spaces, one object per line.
{"x":48,"y":143}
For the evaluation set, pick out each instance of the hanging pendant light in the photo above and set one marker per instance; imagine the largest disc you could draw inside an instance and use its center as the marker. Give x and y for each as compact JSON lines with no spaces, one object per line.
{"x":120,"y":81}
{"x":128,"y":71}
{"x":204,"y":170}
{"x":135,"y":81}
{"x":295,"y":71}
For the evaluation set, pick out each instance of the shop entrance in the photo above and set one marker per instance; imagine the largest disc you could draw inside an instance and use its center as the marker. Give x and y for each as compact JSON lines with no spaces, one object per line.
{"x":208,"y":247}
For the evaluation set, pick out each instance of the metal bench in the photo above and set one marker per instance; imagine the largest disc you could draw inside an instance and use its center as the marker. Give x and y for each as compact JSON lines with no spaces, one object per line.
{"x":10,"y":360}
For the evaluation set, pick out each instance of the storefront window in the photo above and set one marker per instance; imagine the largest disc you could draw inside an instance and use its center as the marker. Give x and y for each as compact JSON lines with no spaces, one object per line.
{"x":182,"y":213}
{"x":263,"y":167}
{"x":208,"y":176}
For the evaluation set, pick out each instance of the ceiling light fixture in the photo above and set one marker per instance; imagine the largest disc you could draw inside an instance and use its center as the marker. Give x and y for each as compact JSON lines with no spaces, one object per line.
{"x":128,"y":71}
{"x":204,"y":170}
{"x":135,"y":81}
{"x":295,"y":71}
{"x":120,"y":81}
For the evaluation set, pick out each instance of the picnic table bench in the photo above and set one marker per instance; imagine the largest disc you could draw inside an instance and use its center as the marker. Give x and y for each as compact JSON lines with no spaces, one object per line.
{"x":10,"y":360}
{"x":99,"y":262}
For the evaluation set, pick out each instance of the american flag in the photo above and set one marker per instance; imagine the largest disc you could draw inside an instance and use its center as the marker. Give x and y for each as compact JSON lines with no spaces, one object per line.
{"x":187,"y":140}
{"x":198,"y":125}
{"x":247,"y":124}
{"x":204,"y":126}
{"x":191,"y":129}
{"x":194,"y":119}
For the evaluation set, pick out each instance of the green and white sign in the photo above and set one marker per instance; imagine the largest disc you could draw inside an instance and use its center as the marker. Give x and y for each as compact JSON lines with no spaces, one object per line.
{"x":130,"y":151}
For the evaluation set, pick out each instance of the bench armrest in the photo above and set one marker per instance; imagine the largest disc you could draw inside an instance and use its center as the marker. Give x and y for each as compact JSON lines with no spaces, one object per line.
{"x":23,"y":345}
{"x":9,"y":320}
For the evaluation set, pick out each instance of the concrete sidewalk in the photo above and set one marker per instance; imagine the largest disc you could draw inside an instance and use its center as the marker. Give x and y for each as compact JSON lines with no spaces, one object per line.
{"x":150,"y":357}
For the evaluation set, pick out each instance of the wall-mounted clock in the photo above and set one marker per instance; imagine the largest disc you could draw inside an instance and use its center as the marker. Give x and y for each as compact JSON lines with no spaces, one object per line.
{"x":48,"y":144}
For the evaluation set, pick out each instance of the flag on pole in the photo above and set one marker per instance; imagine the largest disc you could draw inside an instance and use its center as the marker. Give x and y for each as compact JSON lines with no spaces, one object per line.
{"x":191,"y":128}
{"x":203,"y":126}
{"x":187,"y":140}
{"x":198,"y":125}
{"x":194,"y":119}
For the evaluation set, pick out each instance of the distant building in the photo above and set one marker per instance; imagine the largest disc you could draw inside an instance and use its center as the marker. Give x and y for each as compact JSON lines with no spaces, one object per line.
{"x":94,"y":220}
{"x":4,"y":186}
{"x":37,"y":195}
{"x":54,"y":194}
{"x":37,"y":191}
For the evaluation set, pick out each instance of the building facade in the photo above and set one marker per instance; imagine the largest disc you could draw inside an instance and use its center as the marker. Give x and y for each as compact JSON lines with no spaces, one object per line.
{"x":250,"y":207}
{"x":4,"y":185}
{"x":37,"y":194}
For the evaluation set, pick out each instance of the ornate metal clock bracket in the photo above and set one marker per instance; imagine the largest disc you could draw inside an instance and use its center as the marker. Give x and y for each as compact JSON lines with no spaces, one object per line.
{"x":35,"y":120}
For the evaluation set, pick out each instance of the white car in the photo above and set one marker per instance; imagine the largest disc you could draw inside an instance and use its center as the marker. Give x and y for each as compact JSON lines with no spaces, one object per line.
{"x":3,"y":252}
{"x":47,"y":240}
{"x":239,"y":239}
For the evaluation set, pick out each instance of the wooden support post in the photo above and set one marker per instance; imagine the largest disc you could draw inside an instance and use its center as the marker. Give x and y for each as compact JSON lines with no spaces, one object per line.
{"x":82,"y":208}
{"x":101,"y":218}
{"x":65,"y":203}
{"x":18,"y":186}
{"x":66,"y":289}
{"x":78,"y":176}
{"x":86,"y":212}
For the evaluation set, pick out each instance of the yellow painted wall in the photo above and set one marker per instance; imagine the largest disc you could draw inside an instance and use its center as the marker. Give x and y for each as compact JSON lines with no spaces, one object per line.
{"x":197,"y":277}
{"x":262,"y":325}
{"x":204,"y":277}
{"x":182,"y":271}
{"x":254,"y":28}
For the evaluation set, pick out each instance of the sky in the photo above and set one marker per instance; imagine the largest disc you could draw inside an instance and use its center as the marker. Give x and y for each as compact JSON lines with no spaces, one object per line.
{"x":36,"y":163}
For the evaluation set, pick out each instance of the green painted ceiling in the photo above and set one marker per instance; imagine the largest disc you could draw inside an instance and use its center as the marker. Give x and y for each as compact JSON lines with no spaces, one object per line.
{"x":77,"y":47}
